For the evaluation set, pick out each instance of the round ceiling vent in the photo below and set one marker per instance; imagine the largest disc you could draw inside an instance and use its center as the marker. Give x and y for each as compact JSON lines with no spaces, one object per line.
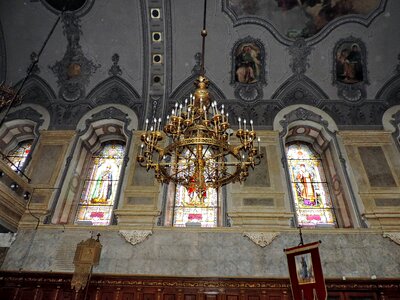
{"x":80,"y":7}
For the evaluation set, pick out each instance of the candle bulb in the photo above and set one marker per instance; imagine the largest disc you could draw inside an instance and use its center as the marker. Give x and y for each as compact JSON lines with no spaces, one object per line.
{"x":159,"y":123}
{"x":240,"y":120}
{"x":180,"y":110}
{"x":227,"y":117}
{"x":205,"y":113}
{"x":251,"y":123}
{"x":173,"y":112}
{"x":141,"y":149}
{"x":147,"y":123}
{"x":244,"y":126}
{"x":259,"y":147}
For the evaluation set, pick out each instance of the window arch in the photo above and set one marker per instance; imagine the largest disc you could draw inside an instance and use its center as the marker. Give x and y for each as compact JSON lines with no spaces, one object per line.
{"x":103,"y":139}
{"x":100,"y":185}
{"x":17,"y":157}
{"x":312,"y":201}
{"x":19,"y":135}
{"x":315,"y":132}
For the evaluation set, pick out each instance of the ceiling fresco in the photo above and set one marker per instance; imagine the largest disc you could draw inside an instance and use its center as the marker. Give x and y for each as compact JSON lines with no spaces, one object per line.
{"x":301,"y":18}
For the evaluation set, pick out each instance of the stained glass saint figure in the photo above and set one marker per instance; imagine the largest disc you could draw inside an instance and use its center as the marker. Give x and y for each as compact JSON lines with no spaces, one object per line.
{"x":313,"y":203}
{"x":98,"y":196}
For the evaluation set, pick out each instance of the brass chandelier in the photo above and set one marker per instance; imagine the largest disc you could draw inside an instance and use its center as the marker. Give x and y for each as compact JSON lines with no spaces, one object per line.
{"x":200,"y":154}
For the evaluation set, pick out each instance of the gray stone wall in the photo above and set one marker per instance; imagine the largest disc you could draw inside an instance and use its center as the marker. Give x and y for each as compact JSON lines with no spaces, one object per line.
{"x":222,"y":253}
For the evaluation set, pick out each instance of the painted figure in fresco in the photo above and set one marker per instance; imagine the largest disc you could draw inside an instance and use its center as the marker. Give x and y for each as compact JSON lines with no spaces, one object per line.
{"x":306,"y":186}
{"x":247,"y":64}
{"x":349,"y":68}
{"x":103,"y":188}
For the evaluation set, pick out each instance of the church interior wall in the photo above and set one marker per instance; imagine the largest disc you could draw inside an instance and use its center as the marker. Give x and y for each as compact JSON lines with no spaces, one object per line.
{"x":354,"y":127}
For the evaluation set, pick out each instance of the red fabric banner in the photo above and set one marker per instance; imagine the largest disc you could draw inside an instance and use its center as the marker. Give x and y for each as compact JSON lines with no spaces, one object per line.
{"x":305,"y":271}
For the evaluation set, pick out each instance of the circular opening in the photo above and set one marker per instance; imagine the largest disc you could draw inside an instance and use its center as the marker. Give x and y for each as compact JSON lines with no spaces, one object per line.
{"x":156,"y":36}
{"x":155,"y":13}
{"x":156,"y":79}
{"x":157,"y":58}
{"x":68,"y":5}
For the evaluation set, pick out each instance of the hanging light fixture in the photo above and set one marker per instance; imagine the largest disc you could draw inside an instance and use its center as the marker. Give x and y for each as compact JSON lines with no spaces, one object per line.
{"x":201,"y":153}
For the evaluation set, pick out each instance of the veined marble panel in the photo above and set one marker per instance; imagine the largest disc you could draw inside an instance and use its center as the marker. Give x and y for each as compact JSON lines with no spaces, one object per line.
{"x":207,"y":253}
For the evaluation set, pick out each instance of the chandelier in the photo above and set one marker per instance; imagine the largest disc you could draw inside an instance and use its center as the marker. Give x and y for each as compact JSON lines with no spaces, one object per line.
{"x":200,"y":153}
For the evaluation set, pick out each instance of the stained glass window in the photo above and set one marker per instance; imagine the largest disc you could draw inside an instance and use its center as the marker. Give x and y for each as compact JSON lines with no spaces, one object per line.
{"x":189,"y":209}
{"x":100,"y":187}
{"x":18,"y":155}
{"x":312,"y":201}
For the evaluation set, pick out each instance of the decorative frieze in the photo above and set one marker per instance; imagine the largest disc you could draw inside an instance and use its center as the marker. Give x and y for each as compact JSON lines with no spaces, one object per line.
{"x":262,"y":239}
{"x":394,"y":236}
{"x":135,"y":236}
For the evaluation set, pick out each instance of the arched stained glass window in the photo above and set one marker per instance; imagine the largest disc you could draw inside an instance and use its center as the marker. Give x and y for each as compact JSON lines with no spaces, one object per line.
{"x":18,"y":155}
{"x":189,"y":209}
{"x":312,"y":201}
{"x":100,"y":187}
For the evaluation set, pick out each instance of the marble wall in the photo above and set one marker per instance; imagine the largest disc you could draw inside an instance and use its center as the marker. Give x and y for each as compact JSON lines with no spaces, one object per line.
{"x":206,"y":253}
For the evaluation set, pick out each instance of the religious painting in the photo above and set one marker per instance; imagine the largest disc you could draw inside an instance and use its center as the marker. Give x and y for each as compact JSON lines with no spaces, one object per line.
{"x":248,"y":68}
{"x":305,"y":272}
{"x":312,"y":200}
{"x":304,"y":268}
{"x":349,"y":63}
{"x":101,"y":184}
{"x":247,"y":63}
{"x":301,"y":18}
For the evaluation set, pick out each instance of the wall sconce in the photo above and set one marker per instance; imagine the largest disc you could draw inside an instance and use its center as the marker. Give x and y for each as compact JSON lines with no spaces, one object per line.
{"x":14,"y":186}
{"x":27,"y":195}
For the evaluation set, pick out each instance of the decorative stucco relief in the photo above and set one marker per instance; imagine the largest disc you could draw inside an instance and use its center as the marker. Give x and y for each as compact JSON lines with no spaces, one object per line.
{"x":394,"y":236}
{"x":262,"y":239}
{"x":135,"y":236}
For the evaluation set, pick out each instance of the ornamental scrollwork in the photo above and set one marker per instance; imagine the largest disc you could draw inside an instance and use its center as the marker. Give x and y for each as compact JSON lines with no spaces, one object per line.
{"x":135,"y":236}
{"x":262,"y":239}
{"x":394,"y":236}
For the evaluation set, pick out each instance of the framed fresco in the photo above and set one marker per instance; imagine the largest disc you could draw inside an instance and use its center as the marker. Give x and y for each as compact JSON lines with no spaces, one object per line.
{"x":350,"y":69}
{"x":294,"y":19}
{"x":248,"y":68}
